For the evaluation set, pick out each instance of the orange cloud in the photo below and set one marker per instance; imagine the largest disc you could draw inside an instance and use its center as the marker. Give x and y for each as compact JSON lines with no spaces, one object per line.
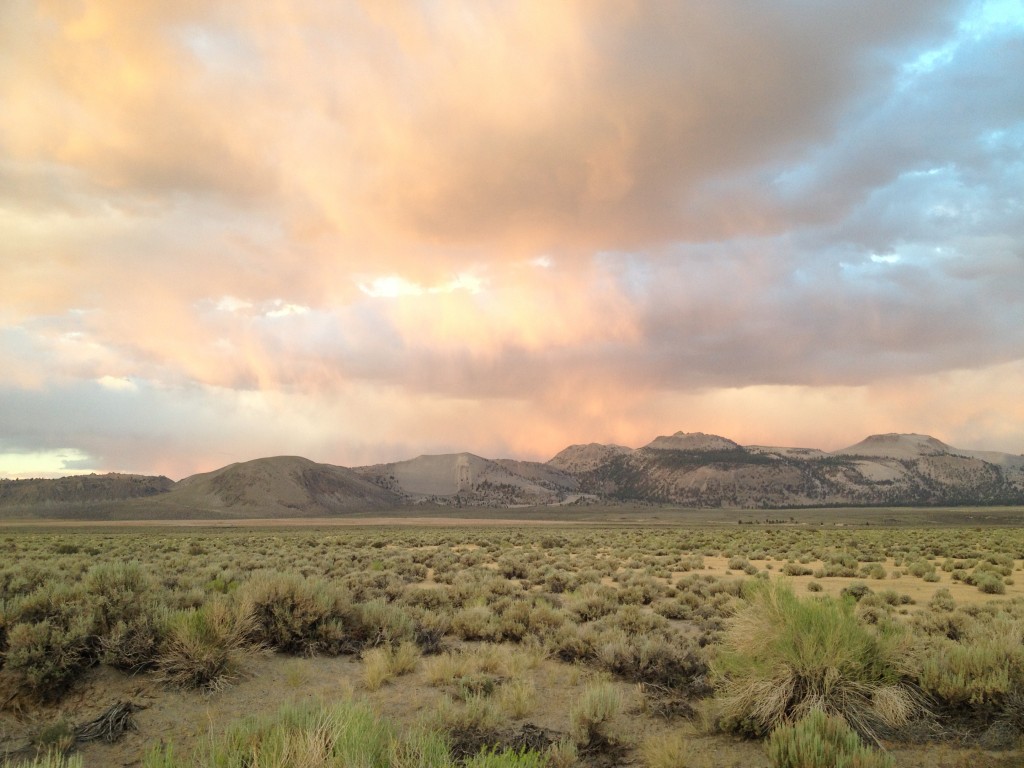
{"x":508,"y":226}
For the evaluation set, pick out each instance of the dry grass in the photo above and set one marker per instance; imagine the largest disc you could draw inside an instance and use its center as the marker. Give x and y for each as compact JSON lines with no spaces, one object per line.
{"x":667,"y":751}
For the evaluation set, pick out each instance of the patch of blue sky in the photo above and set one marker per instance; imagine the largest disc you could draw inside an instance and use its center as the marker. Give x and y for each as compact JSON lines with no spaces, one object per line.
{"x":990,"y":15}
{"x":981,"y":20}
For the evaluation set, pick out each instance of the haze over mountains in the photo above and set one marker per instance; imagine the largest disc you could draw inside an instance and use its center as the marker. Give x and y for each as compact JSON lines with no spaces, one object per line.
{"x":685,"y":469}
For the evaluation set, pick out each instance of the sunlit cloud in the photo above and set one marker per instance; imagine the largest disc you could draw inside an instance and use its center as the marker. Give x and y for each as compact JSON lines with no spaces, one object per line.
{"x":118,"y":384}
{"x":232,"y":304}
{"x":366,"y":231}
{"x":394,"y":286}
{"x":280,"y":308}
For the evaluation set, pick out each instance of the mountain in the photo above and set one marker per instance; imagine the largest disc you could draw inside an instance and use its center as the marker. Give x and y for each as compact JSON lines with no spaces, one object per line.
{"x":689,"y":469}
{"x":582,"y":458}
{"x":691,"y":441}
{"x":77,"y":494}
{"x":896,"y":446}
{"x":698,"y":470}
{"x":282,"y":486}
{"x":465,"y":479}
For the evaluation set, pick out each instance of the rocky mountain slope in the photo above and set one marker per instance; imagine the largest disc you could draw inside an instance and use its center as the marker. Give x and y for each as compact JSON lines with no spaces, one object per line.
{"x":463,"y":479}
{"x":707,"y":471}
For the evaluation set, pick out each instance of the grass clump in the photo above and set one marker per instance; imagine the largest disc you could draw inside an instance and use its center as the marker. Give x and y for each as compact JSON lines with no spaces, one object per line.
{"x":348,"y":733}
{"x":562,"y":754}
{"x":592,"y":713}
{"x":783,"y":657}
{"x":666,"y":751}
{"x":474,"y":714}
{"x":385,"y":663}
{"x":822,"y":741}
{"x":517,"y":698}
{"x":49,"y":760}
{"x":205,"y":647}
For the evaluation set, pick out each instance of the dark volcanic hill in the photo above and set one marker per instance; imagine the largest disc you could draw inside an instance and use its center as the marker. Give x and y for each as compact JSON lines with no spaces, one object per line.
{"x":68,"y":496}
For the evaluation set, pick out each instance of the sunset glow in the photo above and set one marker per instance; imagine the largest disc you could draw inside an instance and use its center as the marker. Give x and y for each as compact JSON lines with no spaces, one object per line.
{"x":363,"y":231}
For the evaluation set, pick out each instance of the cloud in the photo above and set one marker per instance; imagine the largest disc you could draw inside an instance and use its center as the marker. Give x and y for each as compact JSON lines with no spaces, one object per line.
{"x":119,"y":384}
{"x":561,"y":222}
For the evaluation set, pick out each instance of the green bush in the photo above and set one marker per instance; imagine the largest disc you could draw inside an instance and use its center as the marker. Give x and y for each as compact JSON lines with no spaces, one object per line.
{"x":117,"y":591}
{"x":821,"y":741}
{"x":783,"y":656}
{"x":990,"y":583}
{"x":977,"y":674}
{"x":51,"y":637}
{"x":795,"y":569}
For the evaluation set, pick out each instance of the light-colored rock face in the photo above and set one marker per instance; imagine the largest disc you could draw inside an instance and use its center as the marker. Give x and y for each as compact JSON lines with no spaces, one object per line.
{"x":692,"y":441}
{"x":583,"y":458}
{"x":440,"y":475}
{"x":471,"y":479}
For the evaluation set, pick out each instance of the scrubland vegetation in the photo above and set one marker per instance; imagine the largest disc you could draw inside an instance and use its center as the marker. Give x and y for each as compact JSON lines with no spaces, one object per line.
{"x":760,"y":645}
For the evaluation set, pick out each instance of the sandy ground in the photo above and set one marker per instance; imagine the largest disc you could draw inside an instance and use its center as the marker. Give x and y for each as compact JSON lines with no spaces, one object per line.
{"x":920,"y":590}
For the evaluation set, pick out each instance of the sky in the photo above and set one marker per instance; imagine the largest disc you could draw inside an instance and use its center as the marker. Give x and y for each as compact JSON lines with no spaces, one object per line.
{"x":364,"y":231}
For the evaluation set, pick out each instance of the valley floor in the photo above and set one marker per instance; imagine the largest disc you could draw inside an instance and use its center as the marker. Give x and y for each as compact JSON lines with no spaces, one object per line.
{"x":533,"y":616}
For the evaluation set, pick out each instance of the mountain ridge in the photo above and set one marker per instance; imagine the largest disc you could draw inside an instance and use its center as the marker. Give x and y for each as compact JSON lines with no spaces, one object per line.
{"x":687,"y":469}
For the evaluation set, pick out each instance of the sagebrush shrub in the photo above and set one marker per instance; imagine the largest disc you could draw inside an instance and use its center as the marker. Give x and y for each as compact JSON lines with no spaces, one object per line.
{"x":44,"y":657}
{"x":294,"y":614}
{"x":134,"y":644}
{"x":118,"y":592}
{"x":381,"y":623}
{"x":205,"y":647}
{"x":977,"y":673}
